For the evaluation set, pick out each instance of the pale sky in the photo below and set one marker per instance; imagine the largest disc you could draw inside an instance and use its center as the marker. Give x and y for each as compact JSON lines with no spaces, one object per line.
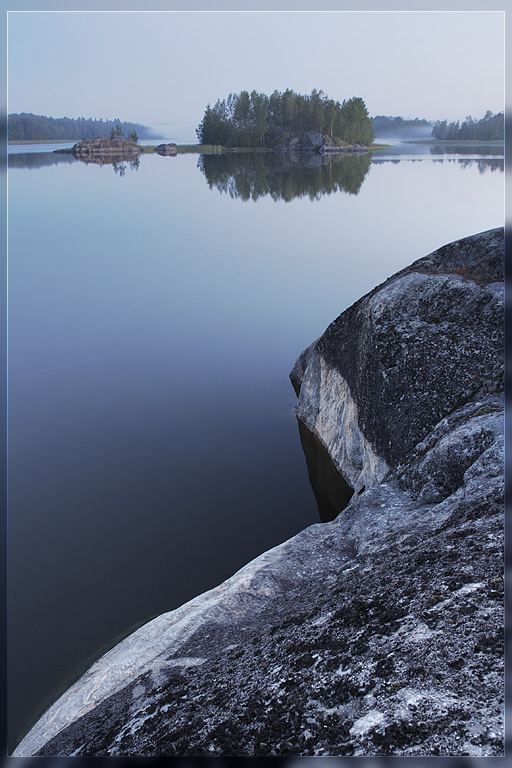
{"x":163,"y":68}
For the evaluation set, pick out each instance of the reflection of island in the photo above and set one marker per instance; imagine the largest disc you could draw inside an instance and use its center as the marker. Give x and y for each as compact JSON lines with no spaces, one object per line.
{"x":118,"y":162}
{"x":115,"y":151}
{"x":284,"y":177}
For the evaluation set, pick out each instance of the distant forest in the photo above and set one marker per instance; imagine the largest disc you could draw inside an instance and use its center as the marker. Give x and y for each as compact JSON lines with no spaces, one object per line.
{"x":26,"y":126}
{"x":396,"y":126}
{"x":489,"y":128}
{"x":257,"y":120}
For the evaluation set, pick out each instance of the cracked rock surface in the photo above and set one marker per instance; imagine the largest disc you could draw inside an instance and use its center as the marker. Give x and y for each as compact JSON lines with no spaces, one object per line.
{"x":380,"y":632}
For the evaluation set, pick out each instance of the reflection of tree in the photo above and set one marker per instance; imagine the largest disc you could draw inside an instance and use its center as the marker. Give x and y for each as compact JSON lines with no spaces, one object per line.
{"x":118,"y":162}
{"x":37,"y":159}
{"x":251,"y":176}
{"x":119,"y":168}
{"x":466,"y":149}
{"x":484,"y":165}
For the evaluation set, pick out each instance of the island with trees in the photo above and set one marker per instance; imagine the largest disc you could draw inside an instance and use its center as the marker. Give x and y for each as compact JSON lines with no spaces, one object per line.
{"x":114,"y":149}
{"x":255,"y":120}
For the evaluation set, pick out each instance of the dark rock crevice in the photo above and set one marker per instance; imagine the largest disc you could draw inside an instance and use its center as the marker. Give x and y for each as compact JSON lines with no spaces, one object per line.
{"x":332,"y":492}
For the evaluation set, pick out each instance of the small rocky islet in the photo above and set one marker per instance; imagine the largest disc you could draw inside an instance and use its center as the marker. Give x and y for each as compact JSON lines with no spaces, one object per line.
{"x":381,"y":631}
{"x":108,"y":150}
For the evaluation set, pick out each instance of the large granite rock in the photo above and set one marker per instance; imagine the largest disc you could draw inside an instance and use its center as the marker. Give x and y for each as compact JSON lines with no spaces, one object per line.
{"x":380,"y":632}
{"x":309,"y":141}
{"x":405,"y":356}
{"x":314,"y":143}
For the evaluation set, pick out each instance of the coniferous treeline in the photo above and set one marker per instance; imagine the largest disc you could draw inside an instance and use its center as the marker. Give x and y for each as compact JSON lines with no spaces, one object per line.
{"x":257,"y":120}
{"x":26,"y":126}
{"x":384,"y":125}
{"x":489,"y":128}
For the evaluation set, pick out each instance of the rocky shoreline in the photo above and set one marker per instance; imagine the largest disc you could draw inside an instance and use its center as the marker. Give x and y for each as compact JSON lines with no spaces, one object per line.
{"x":377,"y":633}
{"x":312,"y":141}
{"x":117,"y":150}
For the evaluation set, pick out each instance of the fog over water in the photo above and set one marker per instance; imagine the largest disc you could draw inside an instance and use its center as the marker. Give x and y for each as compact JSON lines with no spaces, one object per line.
{"x":155,"y":312}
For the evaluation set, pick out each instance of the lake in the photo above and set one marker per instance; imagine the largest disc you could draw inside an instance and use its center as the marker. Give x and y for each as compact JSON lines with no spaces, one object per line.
{"x":155,"y":312}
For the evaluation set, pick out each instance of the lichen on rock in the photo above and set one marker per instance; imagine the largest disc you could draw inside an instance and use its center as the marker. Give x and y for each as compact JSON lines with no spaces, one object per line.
{"x":403,"y":357}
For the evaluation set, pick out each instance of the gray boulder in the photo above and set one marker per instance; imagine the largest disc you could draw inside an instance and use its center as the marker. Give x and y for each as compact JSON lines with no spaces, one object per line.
{"x":313,"y":142}
{"x":380,"y":632}
{"x":167,"y":149}
{"x":310,"y":141}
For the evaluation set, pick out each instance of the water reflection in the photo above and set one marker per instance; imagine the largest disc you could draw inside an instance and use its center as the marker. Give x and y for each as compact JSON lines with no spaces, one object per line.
{"x":284,"y":177}
{"x":119,"y":163}
{"x":37,"y":159}
{"x":483,"y":164}
{"x":120,"y":167}
{"x":467,"y":149}
{"x":34,"y":160}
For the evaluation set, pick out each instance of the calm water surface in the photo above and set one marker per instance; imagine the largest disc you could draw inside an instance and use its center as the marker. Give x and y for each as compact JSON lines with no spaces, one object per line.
{"x":154,"y":316}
